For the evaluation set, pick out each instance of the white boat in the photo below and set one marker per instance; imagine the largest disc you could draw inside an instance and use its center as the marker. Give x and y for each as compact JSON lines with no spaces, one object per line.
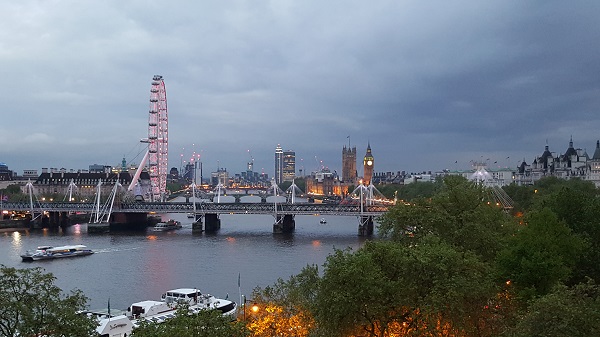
{"x":322,"y":221}
{"x":49,"y":252}
{"x":122,"y":324}
{"x":167,"y":226}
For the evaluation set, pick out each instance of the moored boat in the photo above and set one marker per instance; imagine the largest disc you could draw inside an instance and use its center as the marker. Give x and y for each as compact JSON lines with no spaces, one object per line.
{"x":123,"y":324}
{"x":50,"y":252}
{"x":167,"y":226}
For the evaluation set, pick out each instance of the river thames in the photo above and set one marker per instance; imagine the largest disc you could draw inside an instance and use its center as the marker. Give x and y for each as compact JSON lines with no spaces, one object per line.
{"x":128,"y":267}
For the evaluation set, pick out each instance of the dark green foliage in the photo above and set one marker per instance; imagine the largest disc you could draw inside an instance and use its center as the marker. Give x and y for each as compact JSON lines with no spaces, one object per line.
{"x":542,"y":254}
{"x":13,"y":189}
{"x":207,"y":323}
{"x":174,"y":187}
{"x":284,"y":185}
{"x":444,"y":263}
{"x":576,"y":203}
{"x":522,"y":197}
{"x":14,"y":194}
{"x":565,"y":312}
{"x":296,"y":293}
{"x":551,"y":185}
{"x":31,"y":305}
{"x":459,"y":214}
{"x":300,"y":183}
{"x":410,"y":192}
{"x":386,"y":284}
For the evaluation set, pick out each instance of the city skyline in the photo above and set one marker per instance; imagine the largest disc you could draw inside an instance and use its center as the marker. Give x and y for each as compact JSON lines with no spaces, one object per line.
{"x":431,"y":86}
{"x":473,"y":164}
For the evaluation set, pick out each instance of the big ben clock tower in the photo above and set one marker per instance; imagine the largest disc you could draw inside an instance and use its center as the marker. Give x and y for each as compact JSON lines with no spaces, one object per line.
{"x":368,"y":162}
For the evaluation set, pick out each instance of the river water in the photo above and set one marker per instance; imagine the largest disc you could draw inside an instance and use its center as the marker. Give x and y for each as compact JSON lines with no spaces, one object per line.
{"x":128,"y":267}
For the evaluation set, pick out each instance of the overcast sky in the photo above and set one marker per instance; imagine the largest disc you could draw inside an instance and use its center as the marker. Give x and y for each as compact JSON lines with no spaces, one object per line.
{"x":430,"y":84}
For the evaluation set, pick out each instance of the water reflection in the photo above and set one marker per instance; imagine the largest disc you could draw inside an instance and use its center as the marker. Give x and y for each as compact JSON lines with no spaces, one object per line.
{"x":132,"y":266}
{"x":16,"y":240}
{"x":76,"y":229}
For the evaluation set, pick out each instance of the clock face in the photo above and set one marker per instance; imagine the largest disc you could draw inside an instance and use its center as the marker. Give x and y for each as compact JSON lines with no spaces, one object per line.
{"x":369,"y":162}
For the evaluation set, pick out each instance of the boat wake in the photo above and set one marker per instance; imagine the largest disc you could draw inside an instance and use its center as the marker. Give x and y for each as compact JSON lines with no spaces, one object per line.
{"x":114,"y":250}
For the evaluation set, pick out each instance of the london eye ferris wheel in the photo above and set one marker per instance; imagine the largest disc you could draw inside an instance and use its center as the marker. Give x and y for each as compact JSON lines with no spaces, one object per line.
{"x":158,"y":142}
{"x":158,"y":138}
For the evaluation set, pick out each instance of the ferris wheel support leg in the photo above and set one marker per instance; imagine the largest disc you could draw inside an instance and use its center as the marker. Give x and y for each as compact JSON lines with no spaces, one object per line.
{"x":136,"y":177}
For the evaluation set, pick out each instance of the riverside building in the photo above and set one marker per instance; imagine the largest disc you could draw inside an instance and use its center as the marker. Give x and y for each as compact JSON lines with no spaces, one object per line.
{"x":288,"y":170}
{"x":278,"y":164}
{"x":57,"y":182}
{"x":573,"y":163}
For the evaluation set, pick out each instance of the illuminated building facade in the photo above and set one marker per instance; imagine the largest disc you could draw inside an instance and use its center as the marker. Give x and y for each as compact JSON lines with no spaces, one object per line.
{"x":323,"y":183}
{"x":278,"y":164}
{"x":349,"y":165}
{"x":368,"y":163}
{"x":220,"y":177}
{"x":288,"y":165}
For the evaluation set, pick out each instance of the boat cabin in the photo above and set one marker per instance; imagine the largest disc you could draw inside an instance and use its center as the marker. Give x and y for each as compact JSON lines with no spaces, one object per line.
{"x":148,"y":308}
{"x":182,"y":295}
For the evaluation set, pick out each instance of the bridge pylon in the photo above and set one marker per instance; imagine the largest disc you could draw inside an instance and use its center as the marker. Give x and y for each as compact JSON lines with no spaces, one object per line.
{"x":292,"y":191}
{"x":284,"y":223}
{"x":365,"y":225}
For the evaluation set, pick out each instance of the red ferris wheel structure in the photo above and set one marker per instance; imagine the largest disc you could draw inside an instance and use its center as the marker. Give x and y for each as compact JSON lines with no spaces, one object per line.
{"x":158,"y":142}
{"x":158,"y":138}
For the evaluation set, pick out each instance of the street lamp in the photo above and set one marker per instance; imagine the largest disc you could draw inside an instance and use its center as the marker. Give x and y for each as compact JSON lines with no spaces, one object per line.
{"x":254,"y":307}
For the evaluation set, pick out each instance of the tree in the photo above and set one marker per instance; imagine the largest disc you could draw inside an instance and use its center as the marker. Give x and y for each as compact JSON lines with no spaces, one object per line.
{"x":285,"y":308}
{"x":206,"y":323}
{"x":522,"y":197}
{"x":565,"y":312}
{"x":14,"y":194}
{"x":386,"y":288}
{"x":461,"y":213}
{"x":13,"y":189}
{"x":416,"y":190}
{"x":30,"y":304}
{"x":284,"y":185}
{"x":542,"y":254}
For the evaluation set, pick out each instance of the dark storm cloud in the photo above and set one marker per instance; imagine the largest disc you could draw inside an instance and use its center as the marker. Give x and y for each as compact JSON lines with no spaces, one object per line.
{"x":427,"y":84}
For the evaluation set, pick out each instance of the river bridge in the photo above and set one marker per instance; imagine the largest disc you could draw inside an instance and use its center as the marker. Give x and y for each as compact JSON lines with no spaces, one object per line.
{"x":120,"y":209}
{"x":208,"y":212}
{"x":207,"y":207}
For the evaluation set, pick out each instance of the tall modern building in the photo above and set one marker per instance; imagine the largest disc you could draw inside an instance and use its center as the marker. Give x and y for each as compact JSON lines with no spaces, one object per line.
{"x":289,"y":165}
{"x":349,"y":164}
{"x":368,"y":163}
{"x":278,"y":164}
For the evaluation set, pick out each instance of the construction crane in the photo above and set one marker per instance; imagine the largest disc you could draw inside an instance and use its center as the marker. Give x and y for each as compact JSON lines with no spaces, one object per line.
{"x":320,"y":166}
{"x":250,"y":162}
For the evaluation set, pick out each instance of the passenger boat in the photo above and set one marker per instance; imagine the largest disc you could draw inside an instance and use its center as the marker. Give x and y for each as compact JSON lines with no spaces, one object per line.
{"x":122,"y":324}
{"x":49,"y":252}
{"x":167,"y":226}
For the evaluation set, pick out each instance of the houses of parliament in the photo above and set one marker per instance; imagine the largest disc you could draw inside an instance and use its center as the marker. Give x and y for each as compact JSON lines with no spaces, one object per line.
{"x":327,"y":183}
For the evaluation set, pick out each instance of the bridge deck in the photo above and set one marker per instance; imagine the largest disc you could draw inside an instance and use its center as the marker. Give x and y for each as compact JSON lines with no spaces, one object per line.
{"x":208,"y":207}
